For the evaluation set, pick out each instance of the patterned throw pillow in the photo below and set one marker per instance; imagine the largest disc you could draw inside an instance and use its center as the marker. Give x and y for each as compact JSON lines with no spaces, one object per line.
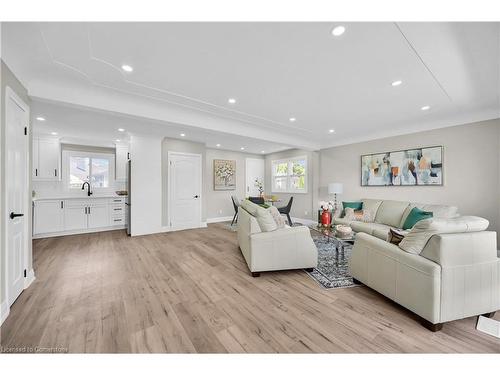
{"x":280,"y":220}
{"x":394,"y":237}
{"x":358,"y":215}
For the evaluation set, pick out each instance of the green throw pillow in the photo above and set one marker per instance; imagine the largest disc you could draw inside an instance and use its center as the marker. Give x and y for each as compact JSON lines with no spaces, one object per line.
{"x":356,"y":206}
{"x":416,"y":214}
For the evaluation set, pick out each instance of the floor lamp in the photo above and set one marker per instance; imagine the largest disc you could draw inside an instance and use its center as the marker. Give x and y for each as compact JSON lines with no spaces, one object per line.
{"x":335,"y":188}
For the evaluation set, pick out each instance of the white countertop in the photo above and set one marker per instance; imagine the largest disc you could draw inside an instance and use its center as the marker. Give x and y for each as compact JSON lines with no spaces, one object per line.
{"x":64,"y":197}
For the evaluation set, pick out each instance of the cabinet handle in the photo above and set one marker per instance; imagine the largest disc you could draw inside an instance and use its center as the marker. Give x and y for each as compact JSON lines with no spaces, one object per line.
{"x":118,"y":220}
{"x":62,"y":204}
{"x":117,"y":200}
{"x":36,"y":171}
{"x":55,"y":172}
{"x":85,"y":210}
{"x":89,"y":210}
{"x":117,"y":209}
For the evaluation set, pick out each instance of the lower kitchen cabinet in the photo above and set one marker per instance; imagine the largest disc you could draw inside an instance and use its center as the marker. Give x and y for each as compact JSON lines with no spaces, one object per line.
{"x":75,"y":217}
{"x":98,"y":215}
{"x":48,"y":216}
{"x":70,"y":216}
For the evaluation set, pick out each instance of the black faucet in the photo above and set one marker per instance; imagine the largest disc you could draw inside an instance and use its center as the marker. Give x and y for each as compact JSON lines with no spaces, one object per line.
{"x":89,"y":193}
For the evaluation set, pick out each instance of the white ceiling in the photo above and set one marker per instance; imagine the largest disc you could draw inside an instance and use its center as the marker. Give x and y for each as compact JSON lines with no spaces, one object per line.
{"x":100,"y":128}
{"x":185,"y":72}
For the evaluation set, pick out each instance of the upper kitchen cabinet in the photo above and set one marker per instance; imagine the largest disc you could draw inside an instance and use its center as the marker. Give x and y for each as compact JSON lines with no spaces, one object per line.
{"x":46,"y":159}
{"x":122,"y":157}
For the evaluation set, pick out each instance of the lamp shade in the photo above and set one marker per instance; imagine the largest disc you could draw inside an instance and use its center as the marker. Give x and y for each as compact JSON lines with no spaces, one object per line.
{"x":335,"y":188}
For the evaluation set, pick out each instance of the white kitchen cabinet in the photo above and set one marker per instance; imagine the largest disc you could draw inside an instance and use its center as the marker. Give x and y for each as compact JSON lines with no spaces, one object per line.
{"x":48,"y":216}
{"x":98,"y":215}
{"x":46,"y":159}
{"x":121,"y":161}
{"x":75,"y":217}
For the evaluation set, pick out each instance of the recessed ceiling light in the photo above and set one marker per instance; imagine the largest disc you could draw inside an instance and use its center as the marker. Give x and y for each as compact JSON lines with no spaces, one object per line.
{"x":231,"y":100}
{"x":127,"y":68}
{"x":292,"y":119}
{"x":54,"y":133}
{"x":183,"y":135}
{"x":338,"y":31}
{"x":242,"y":148}
{"x":397,"y":83}
{"x":425,"y":107}
{"x":263,"y":151}
{"x":117,"y":140}
{"x":121,"y":129}
{"x":40,"y":119}
{"x":331,"y":131}
{"x":218,"y":145}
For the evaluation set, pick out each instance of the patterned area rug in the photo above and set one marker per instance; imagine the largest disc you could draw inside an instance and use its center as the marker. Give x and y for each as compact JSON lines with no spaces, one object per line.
{"x":333,"y":264}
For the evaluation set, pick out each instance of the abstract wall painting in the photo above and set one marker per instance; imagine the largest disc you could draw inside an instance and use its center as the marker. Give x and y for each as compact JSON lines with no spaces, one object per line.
{"x":413,"y":167}
{"x":224,"y":174}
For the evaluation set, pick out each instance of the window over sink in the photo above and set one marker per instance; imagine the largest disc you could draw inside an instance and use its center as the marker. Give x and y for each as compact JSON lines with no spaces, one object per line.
{"x":84,"y":166}
{"x":289,"y":175}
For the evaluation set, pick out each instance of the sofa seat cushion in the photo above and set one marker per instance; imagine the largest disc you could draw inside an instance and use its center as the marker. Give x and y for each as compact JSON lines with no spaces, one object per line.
{"x":415,"y":241}
{"x":370,"y":228}
{"x":342,"y":221}
{"x":391,"y":212}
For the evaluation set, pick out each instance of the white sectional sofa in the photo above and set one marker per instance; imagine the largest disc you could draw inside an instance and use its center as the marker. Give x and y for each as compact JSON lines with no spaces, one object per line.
{"x":281,"y":249}
{"x":450,"y":276}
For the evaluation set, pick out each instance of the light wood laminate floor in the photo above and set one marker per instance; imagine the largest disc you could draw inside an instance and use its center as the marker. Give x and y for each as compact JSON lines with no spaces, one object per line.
{"x":191,"y":291}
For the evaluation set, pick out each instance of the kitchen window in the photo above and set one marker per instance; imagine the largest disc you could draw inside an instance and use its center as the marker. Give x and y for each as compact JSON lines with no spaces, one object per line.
{"x":95,"y":168}
{"x":290,"y":175}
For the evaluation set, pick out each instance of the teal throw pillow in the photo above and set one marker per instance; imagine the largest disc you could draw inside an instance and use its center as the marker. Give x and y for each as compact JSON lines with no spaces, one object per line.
{"x":416,"y":214}
{"x":356,"y":206}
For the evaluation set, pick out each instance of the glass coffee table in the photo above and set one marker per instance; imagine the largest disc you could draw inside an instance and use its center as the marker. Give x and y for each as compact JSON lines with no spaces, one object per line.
{"x":331,"y":233}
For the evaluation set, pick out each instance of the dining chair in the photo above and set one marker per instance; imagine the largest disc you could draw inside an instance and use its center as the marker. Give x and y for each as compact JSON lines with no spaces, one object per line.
{"x":286,"y":211}
{"x":236,"y":204}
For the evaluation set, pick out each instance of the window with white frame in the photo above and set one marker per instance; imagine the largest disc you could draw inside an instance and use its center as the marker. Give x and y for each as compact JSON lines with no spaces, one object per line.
{"x":290,"y":175}
{"x":83,"y":166}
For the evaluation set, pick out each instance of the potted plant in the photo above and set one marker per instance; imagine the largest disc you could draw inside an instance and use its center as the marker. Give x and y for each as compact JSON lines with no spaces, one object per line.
{"x":260,"y":186}
{"x":326,"y":215}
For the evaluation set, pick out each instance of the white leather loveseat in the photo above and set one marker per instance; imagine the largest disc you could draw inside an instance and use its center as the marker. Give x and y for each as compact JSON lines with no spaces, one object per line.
{"x":449,"y":270}
{"x":281,"y":249}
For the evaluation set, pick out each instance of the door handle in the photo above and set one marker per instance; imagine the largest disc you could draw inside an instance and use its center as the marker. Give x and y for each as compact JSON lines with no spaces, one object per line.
{"x":13,"y":215}
{"x":196,"y":196}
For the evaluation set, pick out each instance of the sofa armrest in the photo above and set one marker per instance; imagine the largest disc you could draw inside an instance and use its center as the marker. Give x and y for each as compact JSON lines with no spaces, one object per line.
{"x":461,"y":249}
{"x":287,"y":248}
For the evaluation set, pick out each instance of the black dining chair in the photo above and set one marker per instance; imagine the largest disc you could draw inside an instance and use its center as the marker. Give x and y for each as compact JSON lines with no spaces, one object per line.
{"x":286,"y":211}
{"x":236,"y":204}
{"x":256,"y":200}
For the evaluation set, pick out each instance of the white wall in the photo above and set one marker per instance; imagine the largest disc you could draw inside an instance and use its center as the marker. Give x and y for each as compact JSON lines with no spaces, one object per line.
{"x":146,"y":185}
{"x":471,"y":169}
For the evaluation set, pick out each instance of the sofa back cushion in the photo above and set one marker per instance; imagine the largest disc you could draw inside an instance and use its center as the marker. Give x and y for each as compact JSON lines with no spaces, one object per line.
{"x":415,"y":241}
{"x":371,"y":205}
{"x":439,"y":211}
{"x":391,"y":212}
{"x":263,"y":216}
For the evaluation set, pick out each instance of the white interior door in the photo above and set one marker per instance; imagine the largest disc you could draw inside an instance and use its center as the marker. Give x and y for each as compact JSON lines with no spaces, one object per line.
{"x":17,"y":209}
{"x":254,"y":171}
{"x":184,"y":190}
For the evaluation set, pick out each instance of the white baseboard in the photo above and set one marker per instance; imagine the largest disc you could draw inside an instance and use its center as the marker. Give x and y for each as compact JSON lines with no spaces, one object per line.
{"x":219,"y":219}
{"x":30,"y":277}
{"x":72,"y":232}
{"x":4,"y":311}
